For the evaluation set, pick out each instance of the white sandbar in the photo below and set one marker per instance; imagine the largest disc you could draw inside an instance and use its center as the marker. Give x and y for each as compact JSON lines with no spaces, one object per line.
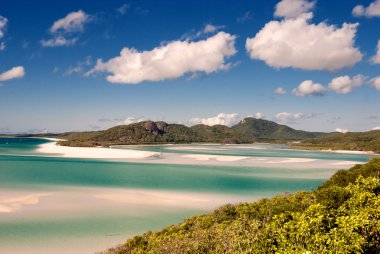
{"x":93,"y":152}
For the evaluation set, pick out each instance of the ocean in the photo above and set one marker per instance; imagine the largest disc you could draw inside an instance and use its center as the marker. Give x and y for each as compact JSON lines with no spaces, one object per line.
{"x":51,"y":204}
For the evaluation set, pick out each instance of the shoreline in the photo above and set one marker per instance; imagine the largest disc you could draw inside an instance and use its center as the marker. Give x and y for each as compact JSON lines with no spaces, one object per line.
{"x":51,"y":149}
{"x":329,"y":150}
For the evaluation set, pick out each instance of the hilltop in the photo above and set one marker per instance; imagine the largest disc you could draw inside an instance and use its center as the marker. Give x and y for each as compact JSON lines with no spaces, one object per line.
{"x":268,"y":130}
{"x":149,"y":132}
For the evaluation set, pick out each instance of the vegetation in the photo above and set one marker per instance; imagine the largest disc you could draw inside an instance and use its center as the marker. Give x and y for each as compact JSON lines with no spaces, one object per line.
{"x":360,"y":141}
{"x":341,"y":216}
{"x":267,"y":130}
{"x":149,"y":132}
{"x":247,"y":131}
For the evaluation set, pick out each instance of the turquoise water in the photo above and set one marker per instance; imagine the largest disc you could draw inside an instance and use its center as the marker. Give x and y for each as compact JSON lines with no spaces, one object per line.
{"x":264,"y":151}
{"x":17,"y":171}
{"x":65,"y":220}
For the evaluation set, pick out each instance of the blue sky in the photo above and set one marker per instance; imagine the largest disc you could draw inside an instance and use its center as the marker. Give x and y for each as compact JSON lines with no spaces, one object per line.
{"x":206,"y":71}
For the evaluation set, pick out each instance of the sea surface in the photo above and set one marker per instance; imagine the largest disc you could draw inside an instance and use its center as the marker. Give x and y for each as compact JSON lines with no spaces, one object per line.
{"x":50,"y":204}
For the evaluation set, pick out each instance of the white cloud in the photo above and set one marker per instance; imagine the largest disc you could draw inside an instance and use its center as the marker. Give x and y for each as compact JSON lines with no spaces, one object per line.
{"x":210,"y":28}
{"x":341,"y":130}
{"x":376,"y":128}
{"x":169,"y":61}
{"x":63,"y":30}
{"x":73,"y":22}
{"x":222,"y":118}
{"x":206,"y":30}
{"x":71,"y":70}
{"x":3,"y":25}
{"x":123,"y":9}
{"x":293,"y":8}
{"x":15,"y":72}
{"x":308,"y":88}
{"x":259,"y":115}
{"x":130,"y":120}
{"x":80,"y":66}
{"x":280,"y":90}
{"x":58,"y":41}
{"x":376,"y":58}
{"x":373,"y":10}
{"x":376,"y":83}
{"x":299,"y":44}
{"x":292,"y":117}
{"x":345,"y":84}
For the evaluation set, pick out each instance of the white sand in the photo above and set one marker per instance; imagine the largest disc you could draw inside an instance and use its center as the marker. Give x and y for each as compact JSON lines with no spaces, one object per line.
{"x":353,"y":152}
{"x":195,"y":148}
{"x":206,"y":157}
{"x":294,"y":160}
{"x":16,"y":203}
{"x":93,"y":152}
{"x":117,"y":153}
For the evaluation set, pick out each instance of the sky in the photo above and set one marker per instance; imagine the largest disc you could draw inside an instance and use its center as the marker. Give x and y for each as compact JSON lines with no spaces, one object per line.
{"x":90,"y":65}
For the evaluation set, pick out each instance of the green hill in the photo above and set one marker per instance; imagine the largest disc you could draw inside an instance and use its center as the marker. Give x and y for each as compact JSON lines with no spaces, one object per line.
{"x":149,"y":132}
{"x":360,"y":141}
{"x":341,"y":216}
{"x":268,"y":130}
{"x":221,"y":134}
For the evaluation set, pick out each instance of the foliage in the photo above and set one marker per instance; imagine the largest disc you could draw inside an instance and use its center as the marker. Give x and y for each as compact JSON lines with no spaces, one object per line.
{"x":341,"y":216}
{"x":138,"y":133}
{"x":360,"y":141}
{"x":268,"y":130}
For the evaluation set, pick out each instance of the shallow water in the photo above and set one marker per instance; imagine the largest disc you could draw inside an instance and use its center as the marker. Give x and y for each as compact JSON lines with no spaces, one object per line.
{"x":63,"y":205}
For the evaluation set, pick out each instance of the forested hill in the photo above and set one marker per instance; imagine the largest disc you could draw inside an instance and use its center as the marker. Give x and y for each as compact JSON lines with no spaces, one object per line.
{"x":149,"y":132}
{"x":264,"y":129}
{"x":341,"y":216}
{"x":359,"y":141}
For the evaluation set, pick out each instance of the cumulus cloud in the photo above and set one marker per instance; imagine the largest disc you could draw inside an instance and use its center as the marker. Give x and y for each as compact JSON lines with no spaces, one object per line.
{"x":169,"y":61}
{"x":376,"y":83}
{"x":345,"y":84}
{"x":341,"y":130}
{"x":308,"y":88}
{"x":288,"y":117}
{"x":293,"y":8}
{"x":376,"y":128}
{"x":3,"y":25}
{"x":376,"y":58}
{"x":373,"y":10}
{"x":63,"y":30}
{"x":222,"y":118}
{"x":73,"y":22}
{"x":280,"y":90}
{"x":300,"y":44}
{"x":14,"y":73}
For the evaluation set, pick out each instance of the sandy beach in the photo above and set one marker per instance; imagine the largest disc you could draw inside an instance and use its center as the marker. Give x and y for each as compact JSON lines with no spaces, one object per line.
{"x":130,"y":155}
{"x":92,"y":152}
